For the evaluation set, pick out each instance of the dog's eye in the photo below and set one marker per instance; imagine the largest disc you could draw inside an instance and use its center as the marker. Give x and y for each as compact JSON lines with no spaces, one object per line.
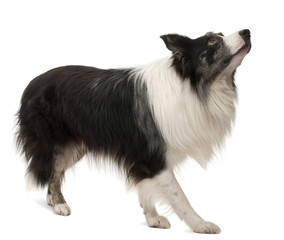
{"x":212,"y":42}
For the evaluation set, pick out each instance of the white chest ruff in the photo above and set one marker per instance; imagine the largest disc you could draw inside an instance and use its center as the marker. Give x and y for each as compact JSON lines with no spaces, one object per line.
{"x":190,"y":127}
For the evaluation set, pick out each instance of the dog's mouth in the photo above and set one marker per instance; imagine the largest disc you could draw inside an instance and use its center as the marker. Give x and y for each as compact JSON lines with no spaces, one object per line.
{"x":244,"y":49}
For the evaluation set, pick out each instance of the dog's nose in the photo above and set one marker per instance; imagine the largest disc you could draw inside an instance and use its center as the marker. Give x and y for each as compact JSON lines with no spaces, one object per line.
{"x":245,"y":34}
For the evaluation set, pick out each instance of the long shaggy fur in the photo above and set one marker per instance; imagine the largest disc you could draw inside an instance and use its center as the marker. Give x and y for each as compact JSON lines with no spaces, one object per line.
{"x":147,"y":120}
{"x":91,"y":107}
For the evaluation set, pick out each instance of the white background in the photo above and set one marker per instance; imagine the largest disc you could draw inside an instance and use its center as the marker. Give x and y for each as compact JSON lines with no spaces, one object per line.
{"x":242,"y":191}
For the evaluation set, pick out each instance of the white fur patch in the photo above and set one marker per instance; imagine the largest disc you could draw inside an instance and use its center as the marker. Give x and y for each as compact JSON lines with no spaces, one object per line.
{"x":157,"y":221}
{"x":188,"y":126}
{"x":234,"y":42}
{"x":49,"y":200}
{"x":30,"y":181}
{"x":150,"y":193}
{"x":165,"y":188}
{"x":62,"y":209}
{"x":206,"y":227}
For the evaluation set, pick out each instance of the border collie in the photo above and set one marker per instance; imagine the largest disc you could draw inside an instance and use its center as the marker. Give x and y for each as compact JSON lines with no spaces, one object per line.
{"x":146,"y":120}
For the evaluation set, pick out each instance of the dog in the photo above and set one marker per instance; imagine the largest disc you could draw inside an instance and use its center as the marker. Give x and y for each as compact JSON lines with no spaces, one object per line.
{"x":146,"y":120}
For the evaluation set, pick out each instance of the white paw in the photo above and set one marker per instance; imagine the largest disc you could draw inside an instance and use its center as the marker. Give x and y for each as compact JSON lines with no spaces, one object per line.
{"x":62,"y":209}
{"x":158,"y":222}
{"x":49,"y":200}
{"x":206,"y":227}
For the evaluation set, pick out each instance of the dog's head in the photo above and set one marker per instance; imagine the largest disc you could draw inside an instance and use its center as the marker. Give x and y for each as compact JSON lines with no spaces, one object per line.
{"x":203,"y":59}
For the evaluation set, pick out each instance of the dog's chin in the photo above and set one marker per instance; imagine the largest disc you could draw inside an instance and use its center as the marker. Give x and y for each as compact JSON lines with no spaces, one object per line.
{"x":244,"y":50}
{"x":248,"y":47}
{"x":236,"y":59}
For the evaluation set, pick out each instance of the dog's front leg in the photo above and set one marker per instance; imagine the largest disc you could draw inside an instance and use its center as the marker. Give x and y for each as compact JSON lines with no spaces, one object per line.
{"x":177,"y":199}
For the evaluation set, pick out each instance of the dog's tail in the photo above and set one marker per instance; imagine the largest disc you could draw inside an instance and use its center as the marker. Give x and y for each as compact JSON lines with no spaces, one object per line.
{"x":34,"y":140}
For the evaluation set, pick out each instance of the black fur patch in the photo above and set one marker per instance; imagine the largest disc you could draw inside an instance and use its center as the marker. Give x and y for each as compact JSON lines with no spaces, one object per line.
{"x":106,"y":110}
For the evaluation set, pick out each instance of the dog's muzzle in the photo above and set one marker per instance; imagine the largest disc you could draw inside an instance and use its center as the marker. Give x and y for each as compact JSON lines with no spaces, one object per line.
{"x":245,"y":34}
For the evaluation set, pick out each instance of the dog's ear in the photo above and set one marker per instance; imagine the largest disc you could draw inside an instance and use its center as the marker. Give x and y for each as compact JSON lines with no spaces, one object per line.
{"x":176,"y":43}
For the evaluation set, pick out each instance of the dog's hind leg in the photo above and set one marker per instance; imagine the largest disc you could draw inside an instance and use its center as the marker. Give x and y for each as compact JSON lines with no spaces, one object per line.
{"x":63,"y":159}
{"x":55,"y":197}
{"x":148,"y":194}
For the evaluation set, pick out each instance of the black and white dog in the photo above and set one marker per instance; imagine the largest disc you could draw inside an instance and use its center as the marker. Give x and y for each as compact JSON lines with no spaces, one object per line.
{"x":146,"y":120}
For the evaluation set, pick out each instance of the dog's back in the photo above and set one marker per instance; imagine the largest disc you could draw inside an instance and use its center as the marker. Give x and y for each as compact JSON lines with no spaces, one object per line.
{"x":92,"y":110}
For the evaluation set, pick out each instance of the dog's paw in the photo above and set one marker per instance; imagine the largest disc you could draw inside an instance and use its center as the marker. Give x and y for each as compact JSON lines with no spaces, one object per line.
{"x":158,"y":222}
{"x":62,"y":209}
{"x":206,"y":227}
